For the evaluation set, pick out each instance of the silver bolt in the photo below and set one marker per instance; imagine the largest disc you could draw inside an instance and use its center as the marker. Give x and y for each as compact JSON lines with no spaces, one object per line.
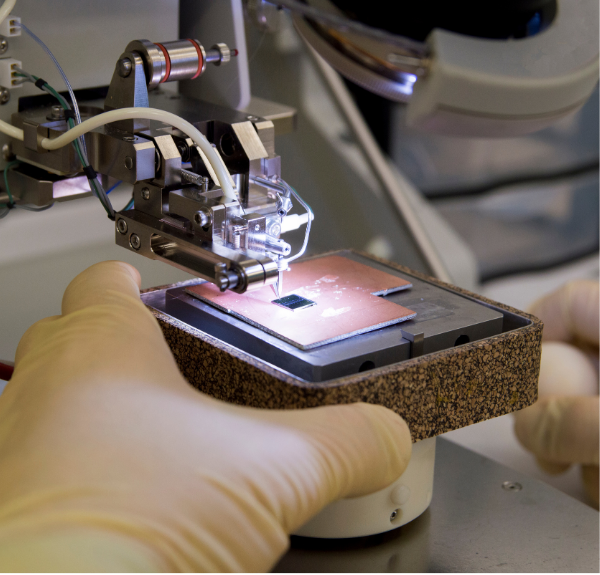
{"x":4,"y":95}
{"x":7,"y":152}
{"x":3,"y":44}
{"x":57,"y":112}
{"x":128,"y":163}
{"x":275,"y":229}
{"x":122,"y":226}
{"x":135,"y":242}
{"x":253,"y":118}
{"x":222,"y":281}
{"x":202,"y":218}
{"x":512,"y":486}
{"x":394,"y":514}
{"x":129,"y":138}
{"x":145,"y":193}
{"x":124,"y":67}
{"x":257,"y":227}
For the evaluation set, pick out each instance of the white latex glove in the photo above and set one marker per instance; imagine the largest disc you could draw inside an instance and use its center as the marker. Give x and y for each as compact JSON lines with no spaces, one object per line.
{"x":110,"y":460}
{"x":562,"y":427}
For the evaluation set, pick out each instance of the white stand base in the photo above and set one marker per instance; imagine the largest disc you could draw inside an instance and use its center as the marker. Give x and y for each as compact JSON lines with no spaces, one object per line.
{"x":392,"y":507}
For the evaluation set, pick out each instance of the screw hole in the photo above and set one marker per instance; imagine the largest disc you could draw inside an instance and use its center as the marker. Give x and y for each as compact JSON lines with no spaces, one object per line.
{"x":366,"y":366}
{"x":512,"y":486}
{"x":228,"y":145}
{"x":461,"y":340}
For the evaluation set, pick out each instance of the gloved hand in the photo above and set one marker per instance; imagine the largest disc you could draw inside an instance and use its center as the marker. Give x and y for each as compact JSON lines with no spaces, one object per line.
{"x":110,"y":460}
{"x":562,"y":427}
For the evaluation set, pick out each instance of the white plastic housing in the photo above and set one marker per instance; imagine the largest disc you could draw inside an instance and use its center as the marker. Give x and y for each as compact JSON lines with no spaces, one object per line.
{"x":392,"y":507}
{"x":480,"y":87}
{"x":8,"y":78}
{"x":10,"y":26}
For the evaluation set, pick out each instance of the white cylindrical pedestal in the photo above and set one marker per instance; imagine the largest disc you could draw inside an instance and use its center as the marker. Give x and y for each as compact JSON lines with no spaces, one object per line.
{"x":384,"y":510}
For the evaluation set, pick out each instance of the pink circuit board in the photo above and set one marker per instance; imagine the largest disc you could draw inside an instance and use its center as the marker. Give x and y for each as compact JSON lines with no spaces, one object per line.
{"x":346,"y":294}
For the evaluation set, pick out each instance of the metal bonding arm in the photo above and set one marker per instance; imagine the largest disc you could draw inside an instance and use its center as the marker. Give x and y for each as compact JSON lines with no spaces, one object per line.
{"x":218,"y":212}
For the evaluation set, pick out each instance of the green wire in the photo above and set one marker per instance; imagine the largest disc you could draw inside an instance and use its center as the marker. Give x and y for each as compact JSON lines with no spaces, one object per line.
{"x":6,"y":187}
{"x":76,"y":143}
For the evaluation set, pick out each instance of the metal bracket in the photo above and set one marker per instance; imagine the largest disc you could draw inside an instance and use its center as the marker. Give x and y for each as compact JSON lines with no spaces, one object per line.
{"x":128,"y":89}
{"x":417,"y":341}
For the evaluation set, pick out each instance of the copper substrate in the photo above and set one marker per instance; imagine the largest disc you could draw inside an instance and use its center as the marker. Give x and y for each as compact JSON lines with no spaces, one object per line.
{"x":346,"y":293}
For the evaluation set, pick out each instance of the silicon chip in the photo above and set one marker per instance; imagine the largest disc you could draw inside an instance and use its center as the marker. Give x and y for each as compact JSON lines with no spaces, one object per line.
{"x":294,"y":302}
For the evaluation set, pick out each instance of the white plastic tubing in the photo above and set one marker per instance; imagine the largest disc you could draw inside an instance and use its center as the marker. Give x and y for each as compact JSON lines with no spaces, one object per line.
{"x":148,"y":114}
{"x":141,"y":114}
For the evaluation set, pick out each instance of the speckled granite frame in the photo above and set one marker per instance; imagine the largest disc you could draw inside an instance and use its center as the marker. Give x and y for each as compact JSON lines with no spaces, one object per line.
{"x":434,"y":393}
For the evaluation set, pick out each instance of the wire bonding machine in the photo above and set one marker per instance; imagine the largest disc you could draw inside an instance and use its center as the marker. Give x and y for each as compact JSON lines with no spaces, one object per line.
{"x":209,"y":198}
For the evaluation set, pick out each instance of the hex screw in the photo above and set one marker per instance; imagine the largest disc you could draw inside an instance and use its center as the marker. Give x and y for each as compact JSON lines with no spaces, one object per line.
{"x":57,"y":113}
{"x":122,"y":226}
{"x":257,"y":227}
{"x":394,"y":514}
{"x":145,"y":193}
{"x":512,"y":486}
{"x":252,"y":118}
{"x":128,"y":163}
{"x":4,"y":95}
{"x":129,"y":138}
{"x":135,"y":242}
{"x":124,"y":66}
{"x":3,"y":44}
{"x":202,"y":217}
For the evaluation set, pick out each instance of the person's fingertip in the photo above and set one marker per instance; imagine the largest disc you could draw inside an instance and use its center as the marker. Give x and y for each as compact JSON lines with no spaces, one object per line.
{"x":552,"y":468}
{"x":99,"y":284}
{"x":132,"y":271}
{"x":399,"y":437}
{"x":390,"y":439}
{"x":560,"y":429}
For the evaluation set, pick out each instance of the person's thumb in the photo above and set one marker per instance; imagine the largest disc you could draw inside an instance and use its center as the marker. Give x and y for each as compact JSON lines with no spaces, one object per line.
{"x":104,"y":283}
{"x":560,"y":429}
{"x":351,"y":450}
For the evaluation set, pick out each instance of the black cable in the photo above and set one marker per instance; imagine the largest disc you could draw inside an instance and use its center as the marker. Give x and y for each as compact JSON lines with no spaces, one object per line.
{"x":447,"y":194}
{"x":78,"y":144}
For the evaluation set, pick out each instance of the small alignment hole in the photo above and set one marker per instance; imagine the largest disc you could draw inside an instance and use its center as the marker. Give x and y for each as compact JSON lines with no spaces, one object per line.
{"x":228,"y":145}
{"x":462,"y":340}
{"x":366,"y":366}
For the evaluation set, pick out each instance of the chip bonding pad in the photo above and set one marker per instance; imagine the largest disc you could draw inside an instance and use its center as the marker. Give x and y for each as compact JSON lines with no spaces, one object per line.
{"x":345,"y":293}
{"x":294,"y":302}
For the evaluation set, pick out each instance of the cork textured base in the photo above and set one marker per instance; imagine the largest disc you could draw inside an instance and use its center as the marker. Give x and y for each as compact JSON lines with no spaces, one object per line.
{"x":434,"y":393}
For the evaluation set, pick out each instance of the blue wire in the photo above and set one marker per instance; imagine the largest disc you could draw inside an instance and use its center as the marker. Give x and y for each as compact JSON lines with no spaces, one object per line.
{"x":64,"y":77}
{"x":113,"y":187}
